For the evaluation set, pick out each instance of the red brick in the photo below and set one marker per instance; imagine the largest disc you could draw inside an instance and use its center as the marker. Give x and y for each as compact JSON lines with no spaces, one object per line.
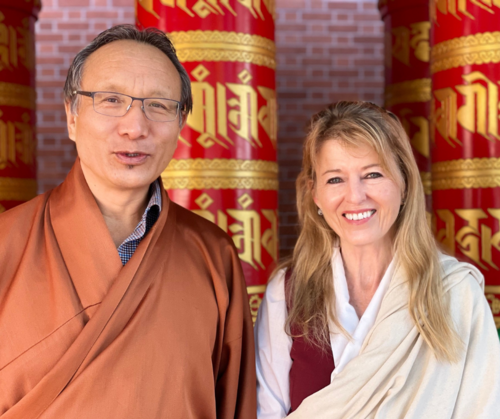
{"x":74,"y":3}
{"x":334,"y":5}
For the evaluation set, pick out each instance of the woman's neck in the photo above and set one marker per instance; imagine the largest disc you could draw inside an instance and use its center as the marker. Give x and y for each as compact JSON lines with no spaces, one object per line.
{"x":364,"y":268}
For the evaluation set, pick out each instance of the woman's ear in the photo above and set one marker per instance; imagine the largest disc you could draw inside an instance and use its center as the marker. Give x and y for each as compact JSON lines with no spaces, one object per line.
{"x":312,"y":189}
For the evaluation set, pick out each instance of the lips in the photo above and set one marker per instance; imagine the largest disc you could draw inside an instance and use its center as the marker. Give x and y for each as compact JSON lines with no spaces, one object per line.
{"x":362,"y":215}
{"x":131,"y":158}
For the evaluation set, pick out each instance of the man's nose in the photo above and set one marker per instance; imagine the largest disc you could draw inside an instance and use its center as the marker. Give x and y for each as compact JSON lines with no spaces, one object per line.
{"x":356,"y":193}
{"x":134,"y":123}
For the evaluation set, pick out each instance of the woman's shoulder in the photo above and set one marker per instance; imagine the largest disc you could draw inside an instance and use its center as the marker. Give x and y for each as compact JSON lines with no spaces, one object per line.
{"x":462,"y":274}
{"x":275,"y":290}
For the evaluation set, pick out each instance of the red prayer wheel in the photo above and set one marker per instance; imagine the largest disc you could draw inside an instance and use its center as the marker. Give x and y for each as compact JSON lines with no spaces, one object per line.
{"x":17,"y":102}
{"x":225,"y":167}
{"x":407,"y":76}
{"x":465,"y":67}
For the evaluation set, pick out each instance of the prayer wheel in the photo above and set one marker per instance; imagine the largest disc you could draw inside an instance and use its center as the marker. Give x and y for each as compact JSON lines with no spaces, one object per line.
{"x":407,"y":76}
{"x":17,"y":102}
{"x":225,"y":166}
{"x":465,"y":68}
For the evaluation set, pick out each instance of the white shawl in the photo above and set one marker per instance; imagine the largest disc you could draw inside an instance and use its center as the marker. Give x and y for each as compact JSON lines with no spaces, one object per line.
{"x":396,"y":375}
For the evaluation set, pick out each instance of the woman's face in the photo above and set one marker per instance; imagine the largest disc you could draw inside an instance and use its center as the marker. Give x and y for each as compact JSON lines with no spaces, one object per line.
{"x":359,"y":200}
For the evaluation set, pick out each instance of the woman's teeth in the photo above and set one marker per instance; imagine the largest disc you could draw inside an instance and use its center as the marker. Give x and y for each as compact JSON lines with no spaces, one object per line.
{"x":132,"y":154}
{"x":360,"y":216}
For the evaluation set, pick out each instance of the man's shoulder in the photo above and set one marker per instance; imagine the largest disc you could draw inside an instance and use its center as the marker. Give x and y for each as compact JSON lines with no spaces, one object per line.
{"x":21,"y":215}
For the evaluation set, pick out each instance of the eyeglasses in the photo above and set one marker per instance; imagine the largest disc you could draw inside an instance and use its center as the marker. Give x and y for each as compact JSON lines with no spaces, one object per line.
{"x":118,"y":104}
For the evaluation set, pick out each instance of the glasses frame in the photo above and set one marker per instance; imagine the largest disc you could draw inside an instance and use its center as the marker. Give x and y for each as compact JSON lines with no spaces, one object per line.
{"x":142,"y":99}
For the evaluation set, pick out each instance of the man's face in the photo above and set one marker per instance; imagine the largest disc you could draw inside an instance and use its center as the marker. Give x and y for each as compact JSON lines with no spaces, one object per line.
{"x":105,"y":143}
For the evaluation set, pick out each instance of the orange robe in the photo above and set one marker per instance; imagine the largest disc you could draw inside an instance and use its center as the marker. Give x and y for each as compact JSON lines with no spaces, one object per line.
{"x":168,"y":335}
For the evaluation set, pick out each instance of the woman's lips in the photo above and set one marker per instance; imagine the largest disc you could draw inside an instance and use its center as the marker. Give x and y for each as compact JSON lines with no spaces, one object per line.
{"x":366,"y":214}
{"x":131,"y":158}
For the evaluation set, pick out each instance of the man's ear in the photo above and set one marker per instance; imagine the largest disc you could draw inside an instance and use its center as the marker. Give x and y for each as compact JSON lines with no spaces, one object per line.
{"x":70,"y":120}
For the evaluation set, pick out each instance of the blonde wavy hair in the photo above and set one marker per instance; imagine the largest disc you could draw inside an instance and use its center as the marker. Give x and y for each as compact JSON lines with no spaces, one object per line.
{"x":311,"y":295}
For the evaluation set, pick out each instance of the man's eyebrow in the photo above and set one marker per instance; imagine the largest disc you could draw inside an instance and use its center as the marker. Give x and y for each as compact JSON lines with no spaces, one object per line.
{"x":119,"y":89}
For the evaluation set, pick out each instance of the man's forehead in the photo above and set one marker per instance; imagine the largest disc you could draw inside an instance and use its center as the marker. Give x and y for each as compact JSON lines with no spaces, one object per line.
{"x":124,"y":65}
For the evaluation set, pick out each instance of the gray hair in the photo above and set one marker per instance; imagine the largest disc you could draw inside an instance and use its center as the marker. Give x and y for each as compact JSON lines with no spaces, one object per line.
{"x":151,"y":36}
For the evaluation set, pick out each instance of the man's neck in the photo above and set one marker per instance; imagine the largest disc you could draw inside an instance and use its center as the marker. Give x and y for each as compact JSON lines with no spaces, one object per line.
{"x":122,"y":209}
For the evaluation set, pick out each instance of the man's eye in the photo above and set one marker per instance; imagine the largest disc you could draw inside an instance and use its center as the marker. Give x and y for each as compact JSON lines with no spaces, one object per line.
{"x":373,"y":175}
{"x":334,"y":180}
{"x":157,"y":105}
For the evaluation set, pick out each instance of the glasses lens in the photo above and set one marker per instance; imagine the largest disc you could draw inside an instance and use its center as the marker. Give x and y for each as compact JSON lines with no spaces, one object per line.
{"x":111,"y":104}
{"x":161,"y":110}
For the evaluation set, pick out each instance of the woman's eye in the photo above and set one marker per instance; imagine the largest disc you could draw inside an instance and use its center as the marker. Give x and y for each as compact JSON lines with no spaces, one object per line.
{"x":334,"y":180}
{"x":373,"y":175}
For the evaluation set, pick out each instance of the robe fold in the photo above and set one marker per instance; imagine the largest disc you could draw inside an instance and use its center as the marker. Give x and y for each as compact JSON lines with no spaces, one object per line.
{"x":168,"y":335}
{"x":396,"y":374}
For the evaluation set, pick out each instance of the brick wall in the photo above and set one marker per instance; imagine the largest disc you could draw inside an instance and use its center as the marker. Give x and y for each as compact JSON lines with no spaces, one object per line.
{"x":64,"y":27}
{"x":327,"y":50}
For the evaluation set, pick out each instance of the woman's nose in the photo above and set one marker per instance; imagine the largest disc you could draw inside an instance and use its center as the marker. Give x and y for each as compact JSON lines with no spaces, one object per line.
{"x":355,"y":191}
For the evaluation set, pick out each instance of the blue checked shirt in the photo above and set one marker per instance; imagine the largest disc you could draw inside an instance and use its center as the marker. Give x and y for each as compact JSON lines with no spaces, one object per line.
{"x":150,"y":216}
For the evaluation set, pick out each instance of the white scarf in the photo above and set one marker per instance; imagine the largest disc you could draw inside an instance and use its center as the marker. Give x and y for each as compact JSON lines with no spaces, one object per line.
{"x":397,"y":376}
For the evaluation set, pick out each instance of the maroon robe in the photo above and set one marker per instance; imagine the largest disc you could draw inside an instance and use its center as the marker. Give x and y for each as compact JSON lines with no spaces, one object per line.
{"x":312,"y":366}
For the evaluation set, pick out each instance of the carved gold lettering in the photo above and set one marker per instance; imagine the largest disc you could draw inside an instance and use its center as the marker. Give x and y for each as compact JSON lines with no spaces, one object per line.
{"x":489,"y":240}
{"x":246,"y":231}
{"x":420,"y":139}
{"x":243,"y":113}
{"x":420,"y":40}
{"x":457,"y":8}
{"x":444,"y":118}
{"x":446,"y":236}
{"x":16,"y":139}
{"x":401,"y":45}
{"x":267,"y":115}
{"x":414,"y":38}
{"x":16,"y":46}
{"x":468,"y":237}
{"x":480,"y":103}
{"x":204,"y":8}
{"x":270,"y":236}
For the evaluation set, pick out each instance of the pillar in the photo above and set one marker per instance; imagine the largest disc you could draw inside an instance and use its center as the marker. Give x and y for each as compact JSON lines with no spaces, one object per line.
{"x":407,"y":76}
{"x":225,"y":166}
{"x":465,"y":67}
{"x":17,"y":101}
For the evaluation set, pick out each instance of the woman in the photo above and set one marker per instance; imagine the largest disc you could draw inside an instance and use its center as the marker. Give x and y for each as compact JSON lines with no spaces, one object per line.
{"x":368,"y":319}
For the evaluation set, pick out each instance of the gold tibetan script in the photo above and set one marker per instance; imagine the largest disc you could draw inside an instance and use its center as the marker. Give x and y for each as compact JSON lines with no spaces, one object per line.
{"x":246,"y":229}
{"x":476,"y":239}
{"x":16,"y":45}
{"x":16,"y":142}
{"x":461,"y":8}
{"x":411,"y":40}
{"x":479,"y":113}
{"x":231,"y":106}
{"x":204,"y":8}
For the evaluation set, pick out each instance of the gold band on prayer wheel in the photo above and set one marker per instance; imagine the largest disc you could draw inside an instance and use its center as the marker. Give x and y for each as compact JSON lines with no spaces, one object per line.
{"x":14,"y":189}
{"x":411,"y":91}
{"x":224,"y":46}
{"x":426,"y":182}
{"x":480,"y":48}
{"x":221,"y":174}
{"x":466,"y":174}
{"x":12,"y":94}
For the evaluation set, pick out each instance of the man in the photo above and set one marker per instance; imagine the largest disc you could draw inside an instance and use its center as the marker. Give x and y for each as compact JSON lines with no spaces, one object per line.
{"x":114,"y":301}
